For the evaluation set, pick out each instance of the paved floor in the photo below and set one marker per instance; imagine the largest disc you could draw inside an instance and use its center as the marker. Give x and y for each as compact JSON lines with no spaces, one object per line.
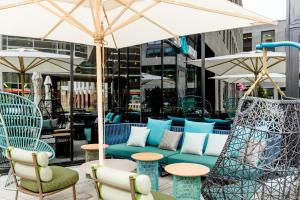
{"x":85,"y":189}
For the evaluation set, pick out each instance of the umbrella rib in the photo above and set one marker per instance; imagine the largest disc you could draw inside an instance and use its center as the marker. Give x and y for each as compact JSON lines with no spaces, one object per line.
{"x":138,"y":16}
{"x":31,"y":63}
{"x":218,"y":64}
{"x":108,"y":23}
{"x":10,"y":64}
{"x":141,"y":14}
{"x":222,"y":12}
{"x":70,"y":20}
{"x":62,"y":20}
{"x":36,"y":64}
{"x":93,"y":14}
{"x":49,"y":61}
{"x":23,"y":3}
{"x":245,"y":64}
{"x":275,"y":63}
{"x":118,"y":16}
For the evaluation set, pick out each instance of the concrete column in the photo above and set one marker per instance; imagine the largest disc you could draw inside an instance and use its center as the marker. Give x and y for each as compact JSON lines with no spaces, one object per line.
{"x":293,"y":34}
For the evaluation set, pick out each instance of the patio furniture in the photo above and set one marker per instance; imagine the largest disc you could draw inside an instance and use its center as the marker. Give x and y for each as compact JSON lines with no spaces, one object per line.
{"x":34,"y":177}
{"x":187,"y":180}
{"x":191,"y":107}
{"x":118,"y":164}
{"x":91,"y":151}
{"x":147,"y":163}
{"x":116,"y":135}
{"x":261,"y":158}
{"x":20,"y":125}
{"x":115,"y":184}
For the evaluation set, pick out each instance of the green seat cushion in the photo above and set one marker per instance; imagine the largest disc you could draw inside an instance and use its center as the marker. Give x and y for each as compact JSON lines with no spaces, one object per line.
{"x":208,"y":161}
{"x":161,"y":196}
{"x":125,"y":151}
{"x":62,"y":178}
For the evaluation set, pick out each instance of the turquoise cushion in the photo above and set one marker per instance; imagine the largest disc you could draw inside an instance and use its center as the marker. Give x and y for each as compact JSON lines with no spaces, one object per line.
{"x":157,"y":128}
{"x":208,"y":161}
{"x":47,"y":123}
{"x":117,"y":119}
{"x":217,"y":121}
{"x":198,"y":127}
{"x":107,"y":117}
{"x":176,"y":119}
{"x":125,"y":151}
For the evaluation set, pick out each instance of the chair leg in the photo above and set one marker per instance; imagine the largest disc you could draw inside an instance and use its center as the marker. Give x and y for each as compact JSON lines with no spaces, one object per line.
{"x":74,"y":192}
{"x":17,"y":194}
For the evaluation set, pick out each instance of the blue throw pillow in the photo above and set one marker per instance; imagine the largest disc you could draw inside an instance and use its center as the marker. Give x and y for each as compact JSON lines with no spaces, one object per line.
{"x":157,"y":128}
{"x":198,"y":127}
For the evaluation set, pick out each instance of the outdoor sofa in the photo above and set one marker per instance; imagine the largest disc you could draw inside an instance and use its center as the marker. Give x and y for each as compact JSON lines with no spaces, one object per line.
{"x":116,"y":135}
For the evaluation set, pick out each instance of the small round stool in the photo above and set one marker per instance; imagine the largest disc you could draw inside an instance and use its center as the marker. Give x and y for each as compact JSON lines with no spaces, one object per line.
{"x":91,"y":151}
{"x":147,"y":163}
{"x":187,"y":180}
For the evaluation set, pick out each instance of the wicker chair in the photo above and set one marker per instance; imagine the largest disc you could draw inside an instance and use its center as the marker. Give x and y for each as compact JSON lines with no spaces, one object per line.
{"x":20,"y":125}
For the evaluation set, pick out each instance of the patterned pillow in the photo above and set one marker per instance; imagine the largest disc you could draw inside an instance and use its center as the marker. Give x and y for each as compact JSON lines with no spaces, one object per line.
{"x":170,"y":140}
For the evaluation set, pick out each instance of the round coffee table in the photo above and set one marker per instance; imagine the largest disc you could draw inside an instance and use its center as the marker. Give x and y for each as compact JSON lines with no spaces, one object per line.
{"x":91,"y":151}
{"x":147,"y":163}
{"x":119,"y":164}
{"x":187,"y":180}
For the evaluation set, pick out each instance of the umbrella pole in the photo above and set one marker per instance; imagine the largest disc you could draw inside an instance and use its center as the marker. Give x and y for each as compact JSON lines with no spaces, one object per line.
{"x":23,"y":83}
{"x":99,"y":66}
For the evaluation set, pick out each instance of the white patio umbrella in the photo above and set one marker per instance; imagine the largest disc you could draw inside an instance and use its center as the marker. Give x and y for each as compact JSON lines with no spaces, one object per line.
{"x":250,"y":78}
{"x":244,"y":63}
{"x":48,"y":93}
{"x":30,"y":60}
{"x":120,"y":23}
{"x":37,"y":81}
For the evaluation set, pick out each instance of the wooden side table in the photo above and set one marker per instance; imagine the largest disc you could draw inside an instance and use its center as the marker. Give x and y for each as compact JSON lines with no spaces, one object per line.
{"x":147,"y":163}
{"x":187,"y":180}
{"x":91,"y":151}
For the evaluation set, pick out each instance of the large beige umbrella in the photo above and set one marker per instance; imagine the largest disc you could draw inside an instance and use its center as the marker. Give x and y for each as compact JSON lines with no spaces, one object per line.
{"x":120,"y":23}
{"x":25,"y":61}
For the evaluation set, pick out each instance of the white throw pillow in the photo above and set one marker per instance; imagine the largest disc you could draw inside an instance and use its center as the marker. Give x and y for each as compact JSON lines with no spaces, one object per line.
{"x":138,"y":136}
{"x":215,"y":144}
{"x":193,"y":143}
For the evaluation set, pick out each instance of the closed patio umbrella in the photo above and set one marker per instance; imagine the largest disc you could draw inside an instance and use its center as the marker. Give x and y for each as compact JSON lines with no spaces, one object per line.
{"x":120,"y":23}
{"x":48,"y":94}
{"x":37,"y":81}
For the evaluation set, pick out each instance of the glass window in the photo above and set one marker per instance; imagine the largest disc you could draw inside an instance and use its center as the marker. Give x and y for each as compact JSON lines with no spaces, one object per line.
{"x":268,"y":36}
{"x":247,"y":42}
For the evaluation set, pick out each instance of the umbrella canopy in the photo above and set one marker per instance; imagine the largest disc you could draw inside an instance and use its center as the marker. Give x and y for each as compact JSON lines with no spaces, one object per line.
{"x":120,"y":23}
{"x":30,"y":60}
{"x":249,"y":78}
{"x":244,"y":63}
{"x":37,"y":81}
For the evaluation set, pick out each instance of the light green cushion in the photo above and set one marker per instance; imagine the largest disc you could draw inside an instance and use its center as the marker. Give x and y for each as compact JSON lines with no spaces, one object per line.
{"x":125,"y":151}
{"x":208,"y":161}
{"x":161,"y":196}
{"x":62,"y":178}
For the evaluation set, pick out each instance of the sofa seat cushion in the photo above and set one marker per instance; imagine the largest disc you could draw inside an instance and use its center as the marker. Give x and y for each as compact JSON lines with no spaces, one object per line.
{"x":125,"y":151}
{"x":161,"y":196}
{"x":62,"y":178}
{"x":208,"y":161}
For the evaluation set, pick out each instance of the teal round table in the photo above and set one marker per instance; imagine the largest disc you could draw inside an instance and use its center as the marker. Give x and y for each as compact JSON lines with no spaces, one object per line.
{"x":187,"y":180}
{"x":147,"y":163}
